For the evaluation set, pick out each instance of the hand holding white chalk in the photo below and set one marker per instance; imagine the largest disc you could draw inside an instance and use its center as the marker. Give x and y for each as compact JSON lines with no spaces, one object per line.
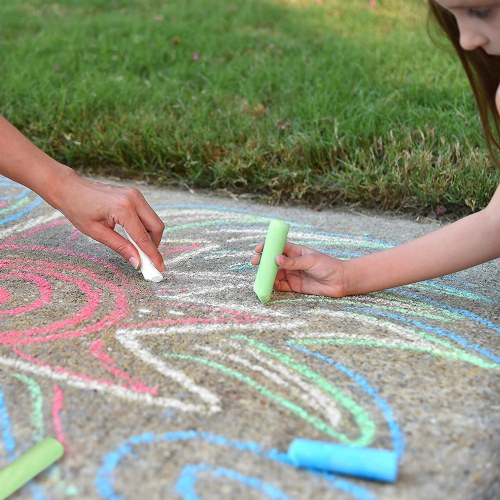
{"x":147,"y":268}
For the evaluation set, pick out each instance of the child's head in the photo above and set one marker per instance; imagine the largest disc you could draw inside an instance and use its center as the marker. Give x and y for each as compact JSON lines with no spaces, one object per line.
{"x":473,"y":26}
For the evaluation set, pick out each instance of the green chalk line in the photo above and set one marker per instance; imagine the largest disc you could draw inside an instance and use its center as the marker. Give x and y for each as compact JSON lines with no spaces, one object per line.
{"x":219,"y":222}
{"x":22,"y":201}
{"x":437,"y":313}
{"x":470,"y":358}
{"x":37,"y":404}
{"x":460,"y":356}
{"x":464,"y":294}
{"x":366,"y":425}
{"x":38,"y":423}
{"x":294,"y":408}
{"x":402,"y":310}
{"x":459,"y":353}
{"x":335,"y":241}
{"x":242,"y":267}
{"x":225,"y":222}
{"x":443,"y":315}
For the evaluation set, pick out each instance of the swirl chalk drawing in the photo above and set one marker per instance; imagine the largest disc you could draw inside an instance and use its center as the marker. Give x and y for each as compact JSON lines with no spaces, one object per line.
{"x":111,"y":366}
{"x":273,"y":246}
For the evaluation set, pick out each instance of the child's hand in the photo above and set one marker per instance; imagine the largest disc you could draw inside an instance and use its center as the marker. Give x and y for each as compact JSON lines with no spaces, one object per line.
{"x":307,"y":271}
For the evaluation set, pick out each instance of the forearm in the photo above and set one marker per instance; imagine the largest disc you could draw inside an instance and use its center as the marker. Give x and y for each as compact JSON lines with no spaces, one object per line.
{"x":463,"y":244}
{"x":23,"y":162}
{"x":92,"y":207}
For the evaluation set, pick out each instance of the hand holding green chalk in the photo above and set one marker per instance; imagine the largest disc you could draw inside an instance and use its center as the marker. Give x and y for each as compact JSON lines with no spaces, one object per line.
{"x":29,"y":465}
{"x":273,"y":246}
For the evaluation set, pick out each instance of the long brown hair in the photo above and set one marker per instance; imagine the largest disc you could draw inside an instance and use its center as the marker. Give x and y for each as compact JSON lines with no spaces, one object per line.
{"x":483,"y":72}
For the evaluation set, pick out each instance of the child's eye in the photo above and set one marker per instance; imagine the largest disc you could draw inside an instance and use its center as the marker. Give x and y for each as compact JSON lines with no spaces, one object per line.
{"x":479,"y":13}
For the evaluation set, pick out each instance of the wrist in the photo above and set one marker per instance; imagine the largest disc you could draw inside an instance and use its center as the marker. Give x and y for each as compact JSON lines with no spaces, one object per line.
{"x":54,"y":185}
{"x":338,"y":284}
{"x":348,"y":279}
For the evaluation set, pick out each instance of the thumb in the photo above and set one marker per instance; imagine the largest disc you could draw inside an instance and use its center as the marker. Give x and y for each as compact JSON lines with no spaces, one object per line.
{"x":301,"y":263}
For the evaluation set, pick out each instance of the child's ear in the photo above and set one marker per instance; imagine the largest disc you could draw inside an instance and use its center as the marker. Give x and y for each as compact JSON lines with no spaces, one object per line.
{"x":497,"y":100}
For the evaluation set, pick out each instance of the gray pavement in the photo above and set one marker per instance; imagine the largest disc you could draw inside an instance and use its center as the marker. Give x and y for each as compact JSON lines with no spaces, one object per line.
{"x":190,"y":388}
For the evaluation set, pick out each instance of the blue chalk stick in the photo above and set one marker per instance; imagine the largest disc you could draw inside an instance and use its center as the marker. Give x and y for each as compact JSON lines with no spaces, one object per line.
{"x":367,"y":463}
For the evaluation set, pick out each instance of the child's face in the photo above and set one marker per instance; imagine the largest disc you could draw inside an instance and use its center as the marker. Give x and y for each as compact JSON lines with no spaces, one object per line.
{"x":478,"y":22}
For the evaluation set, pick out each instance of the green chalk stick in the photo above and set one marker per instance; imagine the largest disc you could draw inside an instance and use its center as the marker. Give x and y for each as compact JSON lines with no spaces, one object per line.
{"x":29,"y":465}
{"x":273,"y":246}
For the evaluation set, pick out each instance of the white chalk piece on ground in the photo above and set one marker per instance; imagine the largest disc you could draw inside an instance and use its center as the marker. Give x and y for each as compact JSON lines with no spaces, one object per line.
{"x":148,"y":269}
{"x":367,"y":463}
{"x":274,"y":245}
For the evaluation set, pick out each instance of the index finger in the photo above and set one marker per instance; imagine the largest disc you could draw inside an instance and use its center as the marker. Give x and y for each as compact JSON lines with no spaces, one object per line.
{"x":151,"y":221}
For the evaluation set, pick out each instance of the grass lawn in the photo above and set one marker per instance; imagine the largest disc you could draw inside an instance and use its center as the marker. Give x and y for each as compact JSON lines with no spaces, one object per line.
{"x":316,"y":101}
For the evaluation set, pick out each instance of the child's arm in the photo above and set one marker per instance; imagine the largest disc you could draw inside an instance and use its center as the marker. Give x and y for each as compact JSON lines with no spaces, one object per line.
{"x":94,"y":208}
{"x":470,"y":241}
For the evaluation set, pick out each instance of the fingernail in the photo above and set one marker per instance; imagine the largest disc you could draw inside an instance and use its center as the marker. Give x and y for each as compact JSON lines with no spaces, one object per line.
{"x":134,"y":262}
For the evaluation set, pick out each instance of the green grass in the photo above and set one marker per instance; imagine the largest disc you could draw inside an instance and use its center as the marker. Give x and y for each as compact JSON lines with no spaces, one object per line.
{"x":290,"y":99}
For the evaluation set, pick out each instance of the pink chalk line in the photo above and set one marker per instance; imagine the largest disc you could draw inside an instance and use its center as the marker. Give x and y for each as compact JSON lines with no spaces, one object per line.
{"x":43,"y":334}
{"x":56,"y":415}
{"x":4,"y":295}
{"x":72,"y":238}
{"x":44,"y":288}
{"x":235,"y":317}
{"x":86,"y":312}
{"x":36,"y":229}
{"x":97,"y":350}
{"x":124,"y":279}
{"x":60,"y":369}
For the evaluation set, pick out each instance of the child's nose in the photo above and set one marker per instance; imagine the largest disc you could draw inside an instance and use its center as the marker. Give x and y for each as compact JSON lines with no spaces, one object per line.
{"x":471,"y":39}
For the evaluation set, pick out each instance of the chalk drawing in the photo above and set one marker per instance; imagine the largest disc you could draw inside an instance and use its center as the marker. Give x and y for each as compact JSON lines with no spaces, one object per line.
{"x":9,"y":442}
{"x":144,"y":344}
{"x":56,"y":417}
{"x":105,"y":480}
{"x":186,"y":485}
{"x":15,"y":201}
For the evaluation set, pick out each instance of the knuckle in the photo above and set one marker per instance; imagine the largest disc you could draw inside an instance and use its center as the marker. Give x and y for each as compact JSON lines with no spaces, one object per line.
{"x":124,"y":205}
{"x":144,"y":238}
{"x":133,"y":193}
{"x":122,"y":250}
{"x":158,"y":226}
{"x":129,"y":198}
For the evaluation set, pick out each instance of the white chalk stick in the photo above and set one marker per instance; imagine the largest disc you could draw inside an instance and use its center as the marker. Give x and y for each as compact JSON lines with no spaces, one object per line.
{"x":148,"y":269}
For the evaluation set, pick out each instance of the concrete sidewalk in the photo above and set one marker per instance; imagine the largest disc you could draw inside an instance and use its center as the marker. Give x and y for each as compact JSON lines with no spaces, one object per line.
{"x":190,"y":388}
